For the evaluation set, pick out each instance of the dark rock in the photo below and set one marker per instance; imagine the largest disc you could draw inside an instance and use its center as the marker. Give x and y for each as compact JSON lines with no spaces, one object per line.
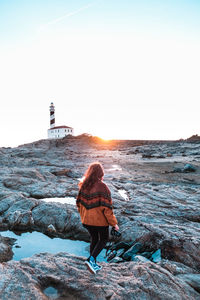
{"x":184,"y":251}
{"x":121,"y":245}
{"x":66,"y":172}
{"x":160,"y":156}
{"x":147,"y":254}
{"x":177,"y":170}
{"x":6,"y":252}
{"x":169,"y":154}
{"x":111,"y":255}
{"x":186,"y":169}
{"x":63,"y":172}
{"x":133,"y":250}
{"x":147,"y":155}
{"x":189,"y":168}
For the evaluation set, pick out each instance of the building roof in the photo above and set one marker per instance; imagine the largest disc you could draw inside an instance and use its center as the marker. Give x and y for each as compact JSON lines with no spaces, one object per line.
{"x":57,"y":127}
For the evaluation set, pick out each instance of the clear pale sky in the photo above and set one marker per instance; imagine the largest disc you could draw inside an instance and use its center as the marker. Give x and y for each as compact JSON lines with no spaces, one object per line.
{"x":113,"y":68}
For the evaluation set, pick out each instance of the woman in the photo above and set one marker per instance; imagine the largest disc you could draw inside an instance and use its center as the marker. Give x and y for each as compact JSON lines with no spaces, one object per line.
{"x":94,"y":204}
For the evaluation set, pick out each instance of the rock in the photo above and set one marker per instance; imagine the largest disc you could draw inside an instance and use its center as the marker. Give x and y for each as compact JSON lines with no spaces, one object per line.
{"x":192,"y":279}
{"x":169,"y":154}
{"x":111,"y":255}
{"x":176,"y":268}
{"x":177,"y":170}
{"x":156,"y":256}
{"x":186,"y":169}
{"x":51,"y":228}
{"x":184,"y":251}
{"x":63,"y":172}
{"x":160,"y":156}
{"x":121,"y":245}
{"x":139,"y":258}
{"x":162,"y":211}
{"x":147,"y":254}
{"x":147,"y":155}
{"x":6,"y":252}
{"x":67,"y":172}
{"x":189,"y":168}
{"x":68,"y":277}
{"x":116,"y":259}
{"x":133,"y":250}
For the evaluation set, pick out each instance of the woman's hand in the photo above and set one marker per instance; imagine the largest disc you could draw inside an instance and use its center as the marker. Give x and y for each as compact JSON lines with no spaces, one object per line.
{"x":116,"y":227}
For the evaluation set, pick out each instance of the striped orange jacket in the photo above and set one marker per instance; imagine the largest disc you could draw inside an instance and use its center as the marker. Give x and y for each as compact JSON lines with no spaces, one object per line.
{"x":95,"y":206}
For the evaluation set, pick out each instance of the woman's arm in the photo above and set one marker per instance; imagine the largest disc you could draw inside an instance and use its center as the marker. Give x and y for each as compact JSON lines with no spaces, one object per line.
{"x":108,"y":213}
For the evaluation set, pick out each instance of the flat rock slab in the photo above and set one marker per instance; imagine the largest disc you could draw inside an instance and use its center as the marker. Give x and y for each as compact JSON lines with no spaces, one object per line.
{"x":67,"y":274}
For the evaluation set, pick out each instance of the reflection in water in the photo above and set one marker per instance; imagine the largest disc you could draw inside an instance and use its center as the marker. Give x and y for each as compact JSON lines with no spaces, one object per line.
{"x":68,"y":200}
{"x":36,"y":242}
{"x":123,"y":193}
{"x":115,"y":168}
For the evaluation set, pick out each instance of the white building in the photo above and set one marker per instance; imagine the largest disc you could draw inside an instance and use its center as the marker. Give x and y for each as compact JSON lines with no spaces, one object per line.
{"x":59,"y":132}
{"x":56,"y":132}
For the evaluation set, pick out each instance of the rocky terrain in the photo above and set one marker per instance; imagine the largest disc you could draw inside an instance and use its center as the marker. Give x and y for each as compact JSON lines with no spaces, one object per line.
{"x":156,"y":199}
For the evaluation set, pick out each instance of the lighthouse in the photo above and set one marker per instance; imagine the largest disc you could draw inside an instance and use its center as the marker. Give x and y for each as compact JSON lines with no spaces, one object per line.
{"x":52,"y":115}
{"x":57,"y":132}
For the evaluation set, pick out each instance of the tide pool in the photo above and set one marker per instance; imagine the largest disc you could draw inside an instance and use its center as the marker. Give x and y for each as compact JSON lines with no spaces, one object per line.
{"x":28,"y":244}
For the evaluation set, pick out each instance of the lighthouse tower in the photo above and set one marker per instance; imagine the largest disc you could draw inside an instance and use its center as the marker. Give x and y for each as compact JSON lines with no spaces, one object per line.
{"x":52,"y":115}
{"x":57,"y":132}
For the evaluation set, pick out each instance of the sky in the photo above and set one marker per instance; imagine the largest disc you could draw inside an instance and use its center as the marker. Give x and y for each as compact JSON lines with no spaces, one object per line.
{"x":118,"y":69}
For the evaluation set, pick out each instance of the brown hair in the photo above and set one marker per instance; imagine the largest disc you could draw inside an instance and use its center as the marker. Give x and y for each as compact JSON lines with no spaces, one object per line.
{"x":92,"y":175}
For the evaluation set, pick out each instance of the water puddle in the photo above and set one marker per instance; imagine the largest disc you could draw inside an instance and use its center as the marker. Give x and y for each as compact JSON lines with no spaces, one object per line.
{"x":115,"y":168}
{"x":123,"y":194}
{"x":68,"y":200}
{"x":51,"y":292}
{"x":28,"y":244}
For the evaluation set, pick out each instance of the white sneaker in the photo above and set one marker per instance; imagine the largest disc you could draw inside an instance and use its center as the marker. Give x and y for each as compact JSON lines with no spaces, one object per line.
{"x":99,"y":267}
{"x":91,"y":265}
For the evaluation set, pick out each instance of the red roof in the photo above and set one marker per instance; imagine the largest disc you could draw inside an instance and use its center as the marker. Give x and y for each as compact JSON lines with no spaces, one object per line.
{"x":57,"y":127}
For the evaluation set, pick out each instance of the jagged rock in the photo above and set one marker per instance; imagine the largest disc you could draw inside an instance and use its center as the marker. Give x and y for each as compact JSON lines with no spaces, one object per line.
{"x":51,"y":228}
{"x":156,"y":256}
{"x":6,"y":252}
{"x":111,"y":255}
{"x":132,"y":251}
{"x":147,"y":254}
{"x":189,"y":168}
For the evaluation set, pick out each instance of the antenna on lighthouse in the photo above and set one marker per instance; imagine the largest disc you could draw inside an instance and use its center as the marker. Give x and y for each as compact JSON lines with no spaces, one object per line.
{"x":52,"y":115}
